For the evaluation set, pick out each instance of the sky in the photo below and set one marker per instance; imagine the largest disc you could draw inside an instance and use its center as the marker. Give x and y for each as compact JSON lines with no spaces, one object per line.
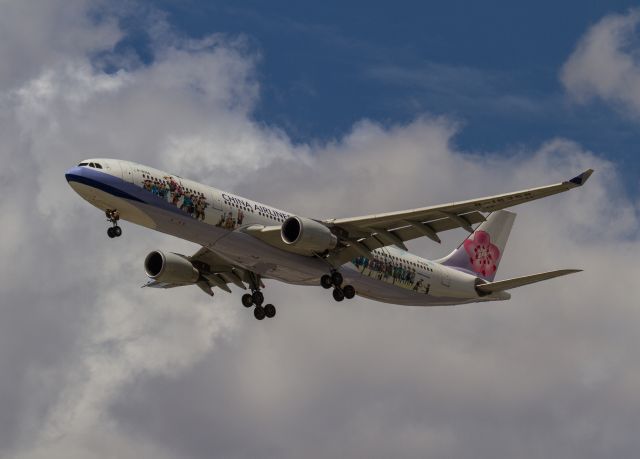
{"x":324,"y":110}
{"x":494,"y":67}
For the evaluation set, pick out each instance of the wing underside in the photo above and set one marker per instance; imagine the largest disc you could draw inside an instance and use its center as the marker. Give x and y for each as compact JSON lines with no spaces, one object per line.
{"x":361,"y":235}
{"x":215,"y":272}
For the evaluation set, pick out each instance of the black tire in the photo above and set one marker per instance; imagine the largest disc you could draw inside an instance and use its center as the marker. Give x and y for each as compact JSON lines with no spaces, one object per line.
{"x":258,"y":298}
{"x":259,"y":313}
{"x":110,"y":232}
{"x":326,"y":281}
{"x":270,"y":311}
{"x":117,"y":231}
{"x":349,"y":291}
{"x":337,"y":294}
{"x":247,"y":300}
{"x":336,"y":278}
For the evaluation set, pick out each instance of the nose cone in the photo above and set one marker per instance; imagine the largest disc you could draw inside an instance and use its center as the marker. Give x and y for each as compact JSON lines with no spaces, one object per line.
{"x":75,"y":180}
{"x":80,"y":179}
{"x":74,"y":173}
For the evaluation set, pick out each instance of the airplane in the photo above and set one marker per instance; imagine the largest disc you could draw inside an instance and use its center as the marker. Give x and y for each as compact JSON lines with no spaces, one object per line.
{"x":242,"y":242}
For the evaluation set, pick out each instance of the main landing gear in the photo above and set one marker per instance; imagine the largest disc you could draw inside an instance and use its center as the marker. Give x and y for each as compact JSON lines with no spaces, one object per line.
{"x":335,"y":280}
{"x":113,"y":216}
{"x":257,"y":298}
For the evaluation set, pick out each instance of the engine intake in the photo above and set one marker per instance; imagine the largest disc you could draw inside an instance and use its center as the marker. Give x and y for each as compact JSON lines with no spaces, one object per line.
{"x":307,"y":235}
{"x":170,"y":267}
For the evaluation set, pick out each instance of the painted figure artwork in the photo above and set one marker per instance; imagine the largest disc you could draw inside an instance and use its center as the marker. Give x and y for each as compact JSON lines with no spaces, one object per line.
{"x":228,"y":222}
{"x":167,"y":188}
{"x":393,"y":273}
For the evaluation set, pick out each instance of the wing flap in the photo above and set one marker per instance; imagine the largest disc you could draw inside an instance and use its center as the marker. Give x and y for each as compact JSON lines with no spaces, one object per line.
{"x":407,"y":233}
{"x":508,"y":284}
{"x":155,"y":284}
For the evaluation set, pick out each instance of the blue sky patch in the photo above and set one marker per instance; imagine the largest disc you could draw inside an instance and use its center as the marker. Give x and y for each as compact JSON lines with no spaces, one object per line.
{"x":492,"y":66}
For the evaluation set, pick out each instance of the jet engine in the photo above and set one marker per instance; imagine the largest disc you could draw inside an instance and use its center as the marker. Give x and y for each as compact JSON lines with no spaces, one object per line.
{"x":170,"y":267}
{"x":307,"y":235}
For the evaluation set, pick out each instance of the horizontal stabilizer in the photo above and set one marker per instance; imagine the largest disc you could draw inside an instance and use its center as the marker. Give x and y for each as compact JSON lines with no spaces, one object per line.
{"x":520,"y":281}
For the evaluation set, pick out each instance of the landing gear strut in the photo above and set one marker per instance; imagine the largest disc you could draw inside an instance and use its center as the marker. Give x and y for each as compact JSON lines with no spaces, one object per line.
{"x":335,"y":280}
{"x":113,"y":216}
{"x":257,"y":298}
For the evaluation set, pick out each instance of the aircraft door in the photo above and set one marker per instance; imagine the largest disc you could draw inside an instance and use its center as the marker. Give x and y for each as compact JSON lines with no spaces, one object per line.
{"x":113,"y":167}
{"x":445,"y":278}
{"x":135,"y":176}
{"x":127,"y":171}
{"x":216,"y":200}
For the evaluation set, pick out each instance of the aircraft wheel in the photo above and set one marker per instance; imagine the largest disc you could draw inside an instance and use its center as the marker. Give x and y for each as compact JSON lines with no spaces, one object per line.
{"x":258,"y":298}
{"x":247,"y":300}
{"x":326,"y":281}
{"x":117,"y":231}
{"x":349,"y":291}
{"x":270,"y":310}
{"x":110,"y":232}
{"x":337,"y":294}
{"x":336,"y":278}
{"x":259,"y":313}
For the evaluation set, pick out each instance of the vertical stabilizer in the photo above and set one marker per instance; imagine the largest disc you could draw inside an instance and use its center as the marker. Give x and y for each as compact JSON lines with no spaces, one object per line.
{"x":481,"y":252}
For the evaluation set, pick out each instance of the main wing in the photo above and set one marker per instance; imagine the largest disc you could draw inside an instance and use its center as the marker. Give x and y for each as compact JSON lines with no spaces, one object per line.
{"x":370,"y":232}
{"x":361,"y":235}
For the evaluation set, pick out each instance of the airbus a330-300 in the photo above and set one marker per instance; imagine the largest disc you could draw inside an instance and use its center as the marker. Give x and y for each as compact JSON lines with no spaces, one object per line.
{"x":243,"y":242}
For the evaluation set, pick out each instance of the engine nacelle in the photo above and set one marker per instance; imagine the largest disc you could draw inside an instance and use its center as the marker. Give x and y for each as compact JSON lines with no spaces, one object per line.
{"x":307,"y":235}
{"x":170,"y":267}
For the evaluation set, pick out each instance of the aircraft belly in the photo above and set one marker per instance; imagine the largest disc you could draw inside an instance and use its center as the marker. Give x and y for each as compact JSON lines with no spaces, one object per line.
{"x":278,"y":264}
{"x":182,"y":226}
{"x":128,"y":210}
{"x":270,"y":261}
{"x":379,"y":290}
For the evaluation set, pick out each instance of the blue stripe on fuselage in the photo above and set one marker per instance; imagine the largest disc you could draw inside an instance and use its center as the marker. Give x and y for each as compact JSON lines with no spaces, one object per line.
{"x":100,"y":182}
{"x":120,"y":188}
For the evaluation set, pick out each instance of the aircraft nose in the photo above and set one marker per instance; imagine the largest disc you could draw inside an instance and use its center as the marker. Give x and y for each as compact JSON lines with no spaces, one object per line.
{"x":73,"y":173}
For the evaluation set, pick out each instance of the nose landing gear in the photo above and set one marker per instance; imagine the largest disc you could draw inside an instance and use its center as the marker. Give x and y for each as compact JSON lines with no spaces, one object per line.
{"x":335,"y":280}
{"x":113,"y":216}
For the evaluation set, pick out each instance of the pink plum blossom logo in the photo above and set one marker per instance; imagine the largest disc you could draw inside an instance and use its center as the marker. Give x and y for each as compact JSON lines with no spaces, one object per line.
{"x":483,"y":255}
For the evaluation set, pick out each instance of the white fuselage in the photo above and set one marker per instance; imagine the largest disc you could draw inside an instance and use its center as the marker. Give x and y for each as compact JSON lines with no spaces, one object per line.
{"x":214,"y":219}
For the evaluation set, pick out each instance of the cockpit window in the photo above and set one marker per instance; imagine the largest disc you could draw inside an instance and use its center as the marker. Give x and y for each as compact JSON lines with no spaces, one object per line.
{"x":98,"y":166}
{"x":83,"y":164}
{"x":92,"y":165}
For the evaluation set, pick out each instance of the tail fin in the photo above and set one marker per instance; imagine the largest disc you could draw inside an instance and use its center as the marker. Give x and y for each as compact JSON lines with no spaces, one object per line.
{"x":481,"y":252}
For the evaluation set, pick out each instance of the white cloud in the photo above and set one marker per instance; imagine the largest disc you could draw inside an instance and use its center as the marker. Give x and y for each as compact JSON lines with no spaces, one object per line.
{"x":605,"y":63}
{"x":35,"y":34}
{"x":93,"y":366}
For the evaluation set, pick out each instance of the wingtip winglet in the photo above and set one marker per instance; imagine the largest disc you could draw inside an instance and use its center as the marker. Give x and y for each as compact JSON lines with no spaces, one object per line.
{"x":581,"y":179}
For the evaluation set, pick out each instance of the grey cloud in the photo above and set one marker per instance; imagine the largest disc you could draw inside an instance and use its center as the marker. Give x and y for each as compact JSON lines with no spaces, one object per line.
{"x":94,"y":366}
